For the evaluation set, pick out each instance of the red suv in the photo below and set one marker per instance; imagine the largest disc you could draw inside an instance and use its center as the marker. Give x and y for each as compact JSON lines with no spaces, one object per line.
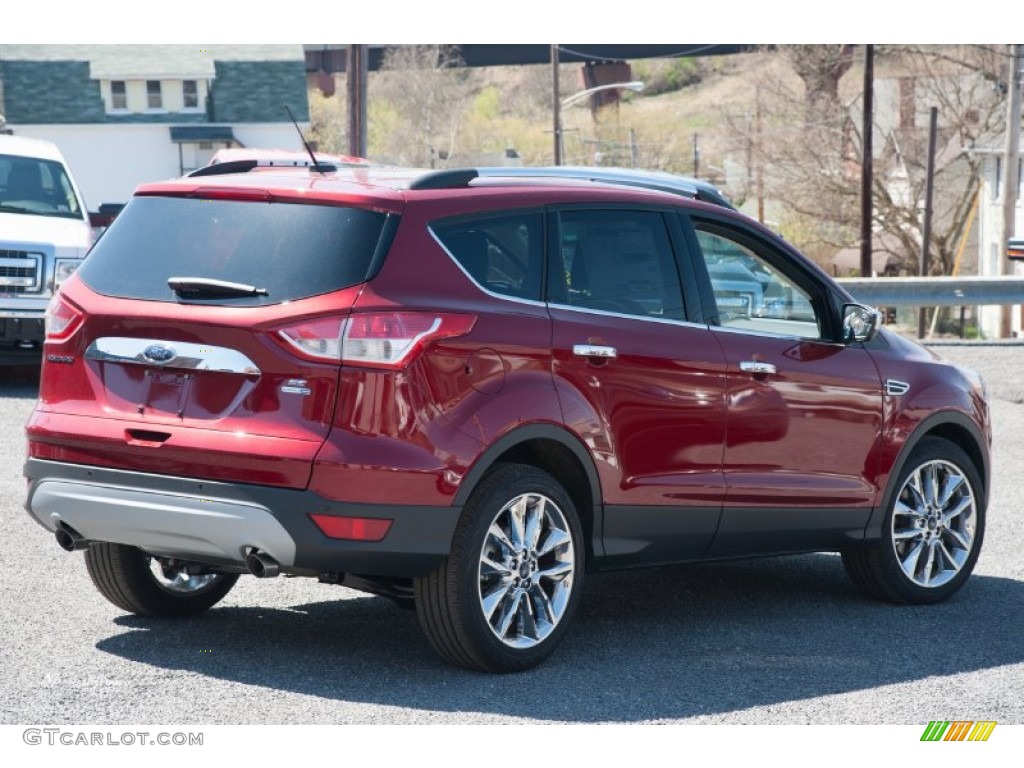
{"x":467,"y":390}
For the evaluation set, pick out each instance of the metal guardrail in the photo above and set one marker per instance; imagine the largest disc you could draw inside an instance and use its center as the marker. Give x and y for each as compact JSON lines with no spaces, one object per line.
{"x":935,"y":291}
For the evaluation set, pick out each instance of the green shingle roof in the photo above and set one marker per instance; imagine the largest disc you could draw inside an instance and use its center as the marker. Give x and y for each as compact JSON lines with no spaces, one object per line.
{"x":60,"y":83}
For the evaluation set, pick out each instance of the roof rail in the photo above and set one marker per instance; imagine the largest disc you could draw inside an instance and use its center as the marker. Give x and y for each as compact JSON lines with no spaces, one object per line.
{"x":631,"y":177}
{"x":244,"y":166}
{"x":234,"y":166}
{"x":447,"y":179}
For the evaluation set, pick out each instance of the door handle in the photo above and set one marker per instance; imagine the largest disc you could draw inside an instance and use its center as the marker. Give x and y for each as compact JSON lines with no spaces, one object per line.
{"x":594,"y":350}
{"x":756,"y":366}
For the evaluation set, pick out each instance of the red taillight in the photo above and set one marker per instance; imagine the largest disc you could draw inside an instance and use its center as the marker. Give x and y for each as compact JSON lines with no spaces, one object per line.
{"x":377,"y":339}
{"x":393,"y":339}
{"x":352,"y":528}
{"x":318,"y":339}
{"x":62,"y":319}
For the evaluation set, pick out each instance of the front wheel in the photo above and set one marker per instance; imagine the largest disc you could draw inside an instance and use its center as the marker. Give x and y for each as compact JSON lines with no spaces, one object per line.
{"x":504,"y":597}
{"x":932,"y":530}
{"x":139,"y":583}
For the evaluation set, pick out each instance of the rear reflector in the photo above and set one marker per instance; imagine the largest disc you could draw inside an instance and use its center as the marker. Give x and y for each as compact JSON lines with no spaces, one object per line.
{"x":352,"y":528}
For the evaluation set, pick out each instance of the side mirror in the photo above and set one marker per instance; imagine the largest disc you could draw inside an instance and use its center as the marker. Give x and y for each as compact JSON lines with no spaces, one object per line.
{"x":859,"y":323}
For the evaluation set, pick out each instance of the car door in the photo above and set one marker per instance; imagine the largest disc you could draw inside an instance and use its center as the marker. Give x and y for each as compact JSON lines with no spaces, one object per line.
{"x":804,"y":408}
{"x":642,"y":386}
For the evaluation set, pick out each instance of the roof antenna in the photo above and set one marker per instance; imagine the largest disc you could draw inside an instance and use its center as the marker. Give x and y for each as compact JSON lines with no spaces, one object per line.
{"x":317,"y":166}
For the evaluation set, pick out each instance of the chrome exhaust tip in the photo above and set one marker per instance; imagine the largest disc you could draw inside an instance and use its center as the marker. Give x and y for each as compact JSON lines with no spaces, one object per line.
{"x":261,"y":565}
{"x":69,"y":539}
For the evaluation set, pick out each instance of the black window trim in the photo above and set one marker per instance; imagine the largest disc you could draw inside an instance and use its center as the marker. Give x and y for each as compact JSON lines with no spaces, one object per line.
{"x":780,"y":255}
{"x":494,"y":213}
{"x":667,"y":213}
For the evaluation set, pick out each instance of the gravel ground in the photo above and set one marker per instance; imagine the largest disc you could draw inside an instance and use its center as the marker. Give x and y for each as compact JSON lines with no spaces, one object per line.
{"x":785,"y":640}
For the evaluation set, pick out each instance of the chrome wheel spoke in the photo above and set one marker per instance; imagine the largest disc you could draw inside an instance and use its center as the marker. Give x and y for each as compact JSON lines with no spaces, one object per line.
{"x":958,"y":540}
{"x":508,"y":614}
{"x":492,"y":600}
{"x":909,"y":563}
{"x":930,"y":485}
{"x":944,"y":554}
{"x":176,"y":579}
{"x":929,"y":564}
{"x":517,"y":523}
{"x":542,"y":606}
{"x":556,"y":538}
{"x":958,"y":510}
{"x":534,"y":522}
{"x":904,"y":511}
{"x":556,"y":571}
{"x":931,"y":530}
{"x":525,"y":570}
{"x":916,"y":493}
{"x":501,"y":539}
{"x":953,"y":482}
{"x":489,"y":567}
{"x":527,"y":623}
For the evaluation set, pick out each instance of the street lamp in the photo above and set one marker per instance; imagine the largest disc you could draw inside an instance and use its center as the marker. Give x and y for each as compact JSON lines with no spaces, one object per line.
{"x":568,"y":101}
{"x":633,"y":85}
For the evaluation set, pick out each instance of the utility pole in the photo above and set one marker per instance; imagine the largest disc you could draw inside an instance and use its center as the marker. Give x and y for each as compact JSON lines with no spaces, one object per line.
{"x":929,"y":186}
{"x":760,"y":157}
{"x":696,"y":155}
{"x":556,"y":105}
{"x":867,"y":162}
{"x":1011,"y":184}
{"x":356,"y":79}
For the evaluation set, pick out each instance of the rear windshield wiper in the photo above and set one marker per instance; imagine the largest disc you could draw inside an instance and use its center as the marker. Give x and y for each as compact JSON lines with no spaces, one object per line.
{"x":207,"y":287}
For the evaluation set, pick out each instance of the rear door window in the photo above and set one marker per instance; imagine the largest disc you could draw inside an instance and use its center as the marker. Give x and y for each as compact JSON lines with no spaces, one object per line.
{"x":293,"y":251}
{"x":616,"y":261}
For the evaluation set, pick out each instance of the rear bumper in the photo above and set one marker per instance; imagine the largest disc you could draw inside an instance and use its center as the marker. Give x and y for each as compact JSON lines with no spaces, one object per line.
{"x":217,"y":523}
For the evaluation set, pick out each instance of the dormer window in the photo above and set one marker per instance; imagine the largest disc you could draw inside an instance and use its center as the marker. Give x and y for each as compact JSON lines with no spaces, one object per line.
{"x":118,"y":95}
{"x":154,"y":95}
{"x":190,"y":94}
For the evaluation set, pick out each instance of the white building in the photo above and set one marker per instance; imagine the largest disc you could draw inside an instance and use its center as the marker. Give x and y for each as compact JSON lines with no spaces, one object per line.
{"x":991,"y":248}
{"x":127,"y":114}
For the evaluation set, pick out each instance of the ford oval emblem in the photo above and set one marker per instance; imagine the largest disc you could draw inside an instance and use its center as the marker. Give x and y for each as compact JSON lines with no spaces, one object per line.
{"x":159,"y":353}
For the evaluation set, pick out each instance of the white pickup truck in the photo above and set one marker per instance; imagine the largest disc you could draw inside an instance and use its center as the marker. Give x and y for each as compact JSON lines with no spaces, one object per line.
{"x":44,"y":235}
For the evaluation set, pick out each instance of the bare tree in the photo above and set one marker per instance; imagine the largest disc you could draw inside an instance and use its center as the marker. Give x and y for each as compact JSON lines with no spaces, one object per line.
{"x":810,"y":144}
{"x":327,"y":125}
{"x":417,"y":104}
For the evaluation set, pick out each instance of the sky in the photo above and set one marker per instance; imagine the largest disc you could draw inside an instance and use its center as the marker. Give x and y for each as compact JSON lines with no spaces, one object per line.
{"x":485,"y":21}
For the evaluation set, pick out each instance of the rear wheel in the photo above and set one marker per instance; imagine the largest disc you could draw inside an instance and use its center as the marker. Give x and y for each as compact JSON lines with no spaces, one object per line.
{"x":139,"y":583}
{"x":504,"y":597}
{"x":932,"y":530}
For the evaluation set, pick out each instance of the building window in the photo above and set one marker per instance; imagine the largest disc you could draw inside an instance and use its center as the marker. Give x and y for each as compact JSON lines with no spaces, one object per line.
{"x":190,"y":94}
{"x":154,"y":97}
{"x":118,"y":96}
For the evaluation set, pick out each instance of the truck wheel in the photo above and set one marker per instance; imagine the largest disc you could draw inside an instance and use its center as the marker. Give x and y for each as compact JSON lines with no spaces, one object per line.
{"x":138,"y":583}
{"x":504,"y":597}
{"x":932,"y":530}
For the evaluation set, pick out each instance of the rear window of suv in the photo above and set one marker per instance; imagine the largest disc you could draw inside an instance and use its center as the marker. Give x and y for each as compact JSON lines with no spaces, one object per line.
{"x":292,"y":250}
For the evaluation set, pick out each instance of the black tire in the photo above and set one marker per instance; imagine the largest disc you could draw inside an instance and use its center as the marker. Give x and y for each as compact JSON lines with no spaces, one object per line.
{"x":124,"y":576}
{"x":906,"y":564}
{"x":534,"y":585}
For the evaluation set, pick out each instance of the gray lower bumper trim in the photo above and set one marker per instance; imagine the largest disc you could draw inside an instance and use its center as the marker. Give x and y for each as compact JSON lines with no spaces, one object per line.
{"x":162,"y":523}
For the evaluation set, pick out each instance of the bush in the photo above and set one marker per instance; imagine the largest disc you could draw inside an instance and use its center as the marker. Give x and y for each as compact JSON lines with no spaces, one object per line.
{"x":667,"y":75}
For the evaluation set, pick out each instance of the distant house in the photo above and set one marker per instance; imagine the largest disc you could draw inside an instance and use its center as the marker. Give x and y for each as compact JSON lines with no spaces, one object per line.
{"x":991,"y":248}
{"x":126,"y":114}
